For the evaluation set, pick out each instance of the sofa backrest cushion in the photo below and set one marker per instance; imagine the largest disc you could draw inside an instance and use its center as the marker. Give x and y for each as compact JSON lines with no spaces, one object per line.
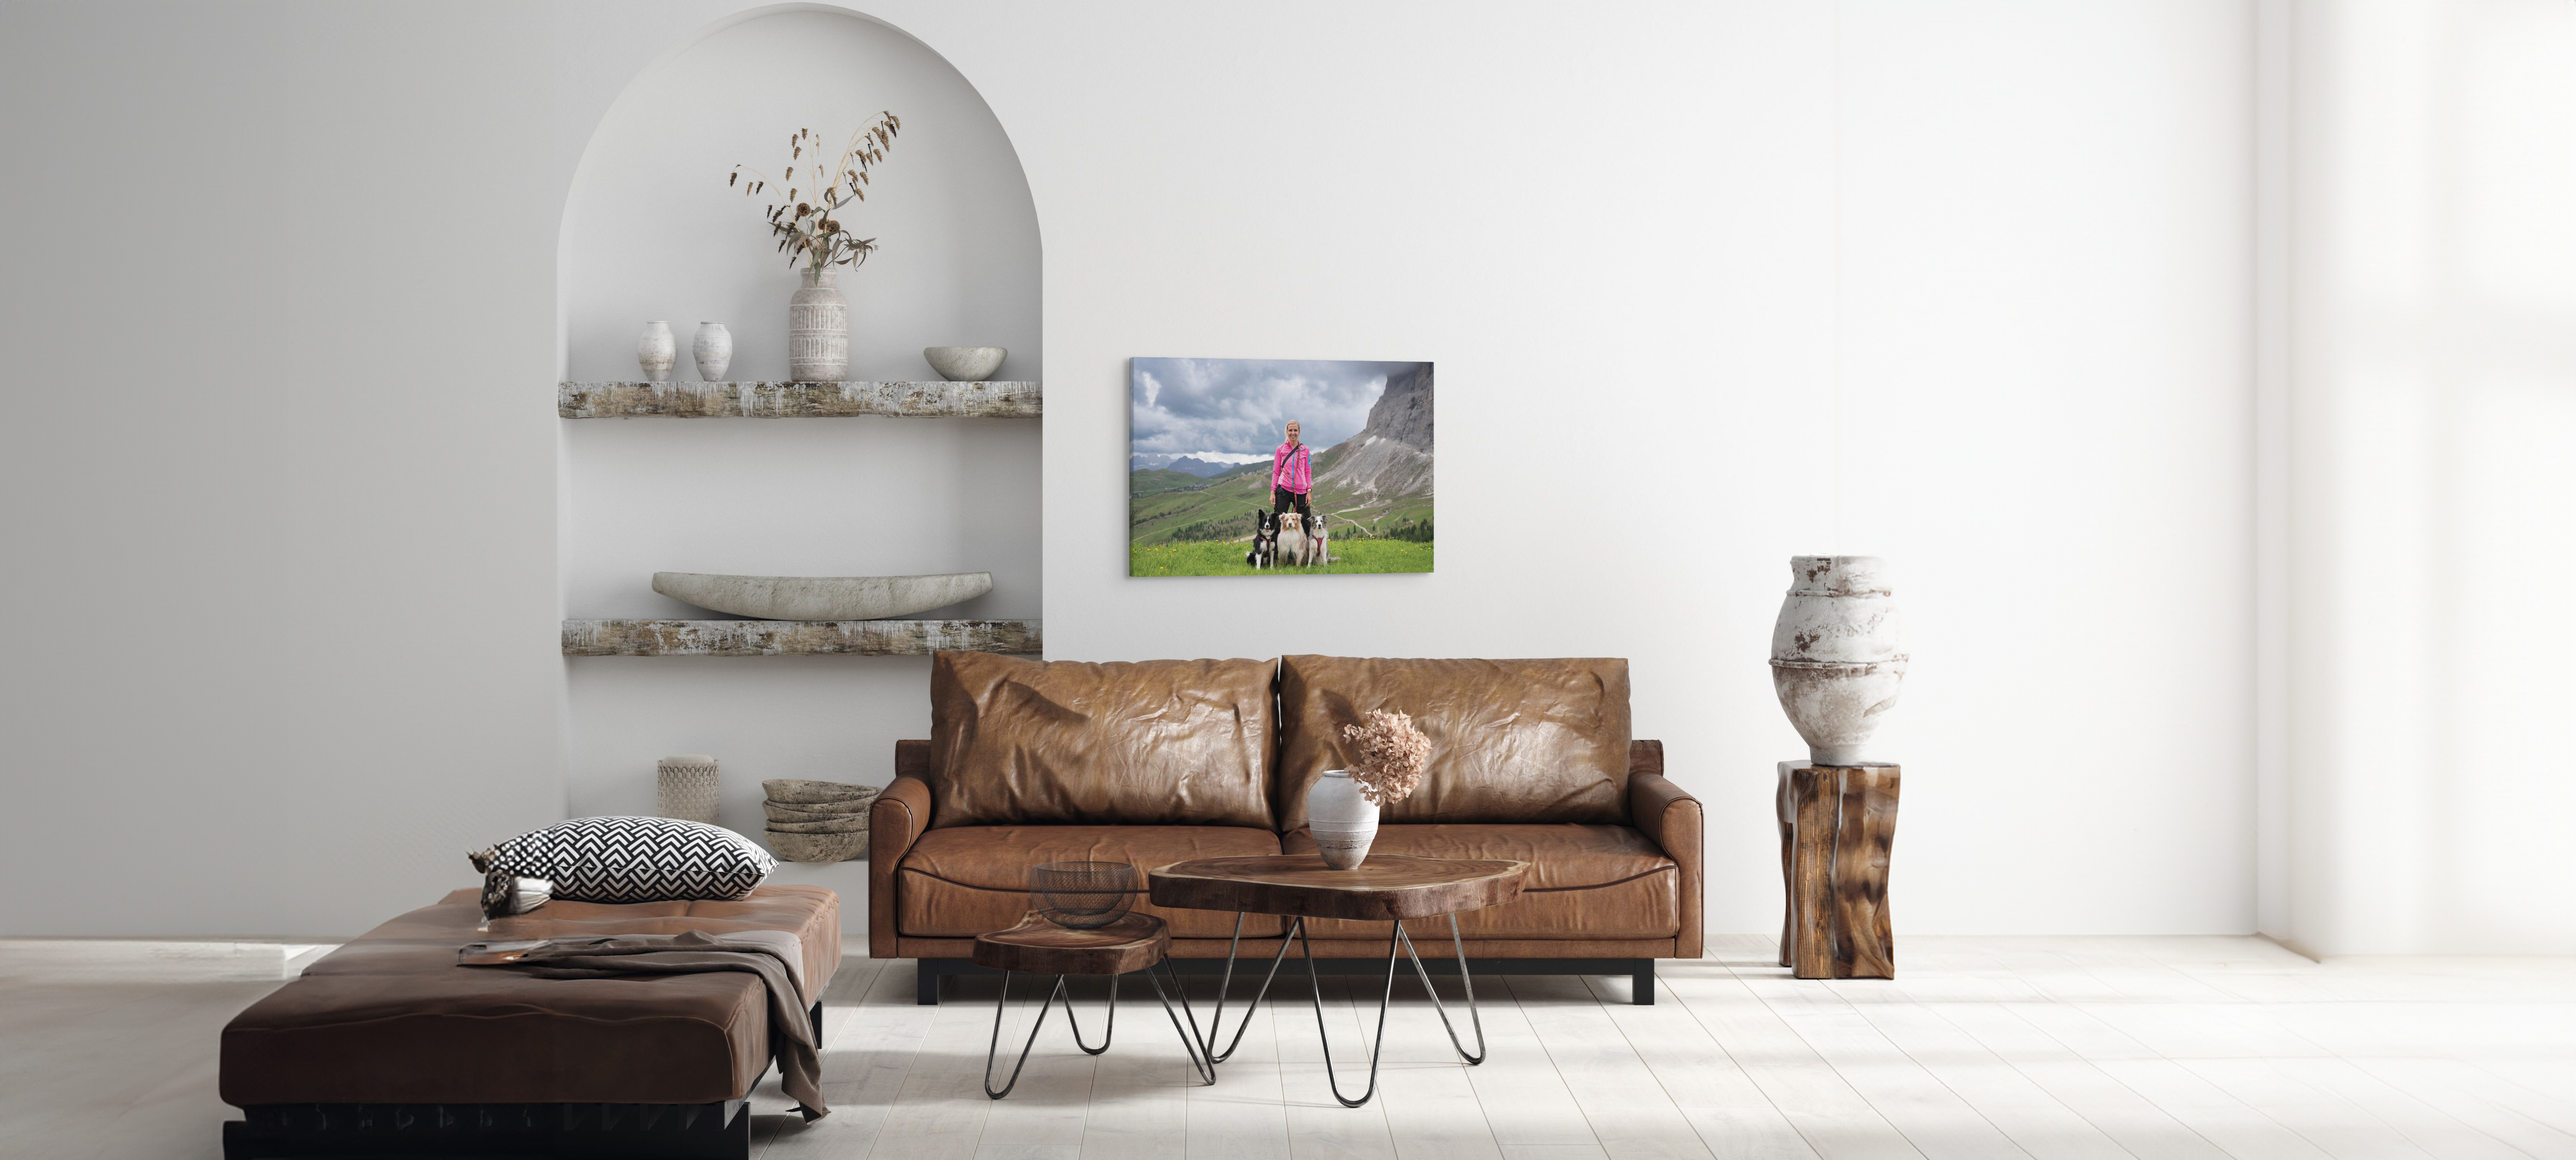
{"x":1511,"y":740}
{"x":1164,"y":743}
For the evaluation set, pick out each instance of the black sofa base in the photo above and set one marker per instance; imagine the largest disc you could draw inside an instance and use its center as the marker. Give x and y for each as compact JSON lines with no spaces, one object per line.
{"x":1642,"y":971}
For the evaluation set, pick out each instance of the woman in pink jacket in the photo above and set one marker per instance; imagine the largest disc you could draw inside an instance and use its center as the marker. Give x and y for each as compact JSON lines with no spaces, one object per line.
{"x":1292,"y":475}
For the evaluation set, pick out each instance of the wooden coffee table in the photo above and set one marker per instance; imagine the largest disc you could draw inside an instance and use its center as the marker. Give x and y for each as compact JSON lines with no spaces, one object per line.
{"x":1386,"y":888}
{"x":1136,"y":942}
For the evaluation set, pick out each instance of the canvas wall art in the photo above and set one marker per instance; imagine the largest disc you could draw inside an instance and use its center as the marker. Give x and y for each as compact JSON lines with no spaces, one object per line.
{"x":1278,"y":467}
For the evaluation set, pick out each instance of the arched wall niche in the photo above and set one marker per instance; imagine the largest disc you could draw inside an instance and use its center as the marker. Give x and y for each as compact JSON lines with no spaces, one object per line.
{"x":652,"y":232}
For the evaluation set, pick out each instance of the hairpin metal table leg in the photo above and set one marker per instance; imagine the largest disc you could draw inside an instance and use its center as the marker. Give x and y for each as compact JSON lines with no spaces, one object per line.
{"x":1316,"y":985}
{"x":994,"y":1047}
{"x":1111,"y":1032}
{"x":1216,"y":1018}
{"x":1460,"y":945}
{"x":1190,"y":1042}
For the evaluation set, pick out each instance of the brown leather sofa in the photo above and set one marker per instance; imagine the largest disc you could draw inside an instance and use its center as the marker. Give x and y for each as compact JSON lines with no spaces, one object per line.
{"x":1157,"y":762}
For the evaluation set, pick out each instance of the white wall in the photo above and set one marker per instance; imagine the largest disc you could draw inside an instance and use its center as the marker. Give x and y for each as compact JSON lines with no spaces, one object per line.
{"x":1709,"y":284}
{"x":652,"y":231}
{"x":2429,"y":390}
{"x":279,"y":546}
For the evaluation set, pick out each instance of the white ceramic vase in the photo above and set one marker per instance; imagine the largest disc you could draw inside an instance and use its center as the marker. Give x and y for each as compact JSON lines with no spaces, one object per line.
{"x":713,"y":350}
{"x":818,"y":330}
{"x":1342,"y":822}
{"x":1834,"y":654}
{"x":656,"y":352}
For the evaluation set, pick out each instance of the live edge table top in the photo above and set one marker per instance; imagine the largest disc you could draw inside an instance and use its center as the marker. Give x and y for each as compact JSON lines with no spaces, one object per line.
{"x":1383,"y":888}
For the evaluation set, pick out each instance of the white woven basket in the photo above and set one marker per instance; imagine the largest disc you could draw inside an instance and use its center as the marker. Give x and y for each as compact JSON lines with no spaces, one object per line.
{"x":687,"y":788}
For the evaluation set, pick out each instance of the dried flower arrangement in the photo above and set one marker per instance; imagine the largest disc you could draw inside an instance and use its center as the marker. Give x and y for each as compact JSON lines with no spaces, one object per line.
{"x":1392,"y":754}
{"x":808,"y":225}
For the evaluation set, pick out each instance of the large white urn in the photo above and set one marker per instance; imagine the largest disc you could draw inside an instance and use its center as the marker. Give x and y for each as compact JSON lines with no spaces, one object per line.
{"x":1834,"y":653}
{"x":1342,"y":822}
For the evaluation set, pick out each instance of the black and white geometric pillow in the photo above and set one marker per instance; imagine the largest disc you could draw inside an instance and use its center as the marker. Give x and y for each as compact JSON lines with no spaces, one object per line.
{"x":627,"y":859}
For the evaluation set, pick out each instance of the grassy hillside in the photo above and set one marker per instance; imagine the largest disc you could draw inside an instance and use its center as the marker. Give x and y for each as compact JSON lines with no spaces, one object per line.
{"x":1168,"y":506}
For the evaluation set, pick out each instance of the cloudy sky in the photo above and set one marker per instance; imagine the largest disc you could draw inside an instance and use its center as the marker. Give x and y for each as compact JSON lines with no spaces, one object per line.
{"x":1233,"y":408}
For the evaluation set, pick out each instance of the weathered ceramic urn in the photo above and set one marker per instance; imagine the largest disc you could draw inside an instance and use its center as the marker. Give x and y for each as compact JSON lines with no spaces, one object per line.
{"x":1834,"y":654}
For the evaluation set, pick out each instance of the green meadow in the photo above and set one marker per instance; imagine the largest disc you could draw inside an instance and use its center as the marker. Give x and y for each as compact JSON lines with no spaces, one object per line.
{"x":1225,"y":558}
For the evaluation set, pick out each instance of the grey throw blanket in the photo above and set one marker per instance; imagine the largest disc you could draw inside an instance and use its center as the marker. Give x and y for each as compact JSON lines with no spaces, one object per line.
{"x":791,"y":1031}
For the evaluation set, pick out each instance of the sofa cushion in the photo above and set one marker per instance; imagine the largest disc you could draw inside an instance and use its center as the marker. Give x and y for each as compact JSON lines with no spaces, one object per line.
{"x":1585,"y":882}
{"x":964,"y":881}
{"x":1511,"y":741}
{"x":390,"y":1018}
{"x":1172,"y":743}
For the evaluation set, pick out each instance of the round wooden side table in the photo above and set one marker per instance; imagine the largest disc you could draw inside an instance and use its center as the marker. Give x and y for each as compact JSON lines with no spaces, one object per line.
{"x":1386,"y":888}
{"x":1136,"y":942}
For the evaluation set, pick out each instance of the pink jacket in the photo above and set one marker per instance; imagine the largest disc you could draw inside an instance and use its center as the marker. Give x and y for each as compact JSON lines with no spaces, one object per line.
{"x":1291,"y":469}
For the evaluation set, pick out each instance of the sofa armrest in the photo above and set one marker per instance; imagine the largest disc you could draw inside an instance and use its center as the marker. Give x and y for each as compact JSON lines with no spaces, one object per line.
{"x":1673,"y":820}
{"x":895,"y":822}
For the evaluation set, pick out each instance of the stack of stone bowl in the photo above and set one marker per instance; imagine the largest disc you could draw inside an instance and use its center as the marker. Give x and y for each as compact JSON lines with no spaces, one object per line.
{"x":817,"y":821}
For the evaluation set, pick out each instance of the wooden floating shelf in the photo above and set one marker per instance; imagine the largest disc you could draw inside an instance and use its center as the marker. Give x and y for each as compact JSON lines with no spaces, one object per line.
{"x":761,"y":400}
{"x":769,"y":638}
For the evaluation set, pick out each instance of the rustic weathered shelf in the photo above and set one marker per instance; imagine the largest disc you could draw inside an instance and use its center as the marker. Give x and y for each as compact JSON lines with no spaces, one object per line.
{"x":763,"y":638}
{"x":766,"y":400}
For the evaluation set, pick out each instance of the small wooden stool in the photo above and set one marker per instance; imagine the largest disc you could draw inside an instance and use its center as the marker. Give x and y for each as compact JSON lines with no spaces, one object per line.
{"x":1136,"y":942}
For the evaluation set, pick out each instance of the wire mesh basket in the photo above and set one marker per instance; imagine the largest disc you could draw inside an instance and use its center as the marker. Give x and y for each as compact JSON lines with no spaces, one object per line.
{"x":1082,"y":895}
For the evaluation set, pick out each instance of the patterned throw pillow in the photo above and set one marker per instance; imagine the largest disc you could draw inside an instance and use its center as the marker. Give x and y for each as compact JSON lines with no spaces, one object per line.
{"x":628,"y":859}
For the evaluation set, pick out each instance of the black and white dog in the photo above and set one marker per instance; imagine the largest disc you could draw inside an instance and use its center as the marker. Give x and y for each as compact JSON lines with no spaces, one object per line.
{"x":1265,"y":541}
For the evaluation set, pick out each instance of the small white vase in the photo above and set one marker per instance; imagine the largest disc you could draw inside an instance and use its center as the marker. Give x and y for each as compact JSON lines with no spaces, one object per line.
{"x":1342,"y":822}
{"x":1834,"y":658}
{"x":713,"y":350}
{"x":656,"y":352}
{"x":818,"y":330}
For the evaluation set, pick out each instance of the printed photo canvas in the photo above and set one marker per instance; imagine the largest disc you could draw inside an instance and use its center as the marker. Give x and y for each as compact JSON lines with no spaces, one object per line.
{"x":1278,"y":467}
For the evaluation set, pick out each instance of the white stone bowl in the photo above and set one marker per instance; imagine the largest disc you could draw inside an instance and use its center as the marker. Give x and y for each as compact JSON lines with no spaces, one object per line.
{"x":822,"y":597}
{"x":965,"y":364}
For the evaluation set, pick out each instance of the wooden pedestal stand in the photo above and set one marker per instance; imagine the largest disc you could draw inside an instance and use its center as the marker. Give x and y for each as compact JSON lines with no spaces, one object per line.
{"x":1837,"y":824}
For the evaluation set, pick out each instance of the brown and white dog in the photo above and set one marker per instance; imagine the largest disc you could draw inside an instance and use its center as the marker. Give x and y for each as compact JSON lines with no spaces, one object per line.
{"x":1302,"y":540}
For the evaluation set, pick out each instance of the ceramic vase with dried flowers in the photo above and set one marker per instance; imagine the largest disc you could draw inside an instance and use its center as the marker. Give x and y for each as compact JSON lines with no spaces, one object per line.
{"x":1342,"y":805}
{"x":810,"y":232}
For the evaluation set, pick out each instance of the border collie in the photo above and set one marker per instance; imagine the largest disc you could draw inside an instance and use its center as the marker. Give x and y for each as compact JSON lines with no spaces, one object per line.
{"x":1265,"y":541}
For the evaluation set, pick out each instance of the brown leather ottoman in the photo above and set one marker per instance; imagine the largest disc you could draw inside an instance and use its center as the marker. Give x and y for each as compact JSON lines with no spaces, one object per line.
{"x":387,"y":1047}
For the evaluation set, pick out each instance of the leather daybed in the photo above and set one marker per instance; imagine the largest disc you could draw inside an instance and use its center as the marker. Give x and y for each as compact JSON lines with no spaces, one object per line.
{"x":387,"y":1047}
{"x":1158,"y":762}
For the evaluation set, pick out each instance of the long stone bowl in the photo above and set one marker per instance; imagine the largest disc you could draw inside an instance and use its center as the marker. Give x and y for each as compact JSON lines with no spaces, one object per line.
{"x":788,"y":791}
{"x":821,"y":597}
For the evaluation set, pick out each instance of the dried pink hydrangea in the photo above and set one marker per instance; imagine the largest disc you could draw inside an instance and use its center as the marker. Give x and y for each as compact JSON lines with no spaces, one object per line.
{"x":1391,"y":756}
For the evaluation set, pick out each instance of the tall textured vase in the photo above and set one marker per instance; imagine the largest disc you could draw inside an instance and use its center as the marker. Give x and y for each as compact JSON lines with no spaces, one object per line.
{"x":1834,"y":658}
{"x":685,"y":788}
{"x":818,"y":330}
{"x":1342,"y":822}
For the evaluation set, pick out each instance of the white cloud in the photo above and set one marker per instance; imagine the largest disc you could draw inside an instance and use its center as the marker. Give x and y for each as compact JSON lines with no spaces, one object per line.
{"x":1233,"y":409}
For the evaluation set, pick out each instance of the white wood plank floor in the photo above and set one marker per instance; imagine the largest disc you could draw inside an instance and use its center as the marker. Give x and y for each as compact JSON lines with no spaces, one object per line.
{"x":2183,"y":1048}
